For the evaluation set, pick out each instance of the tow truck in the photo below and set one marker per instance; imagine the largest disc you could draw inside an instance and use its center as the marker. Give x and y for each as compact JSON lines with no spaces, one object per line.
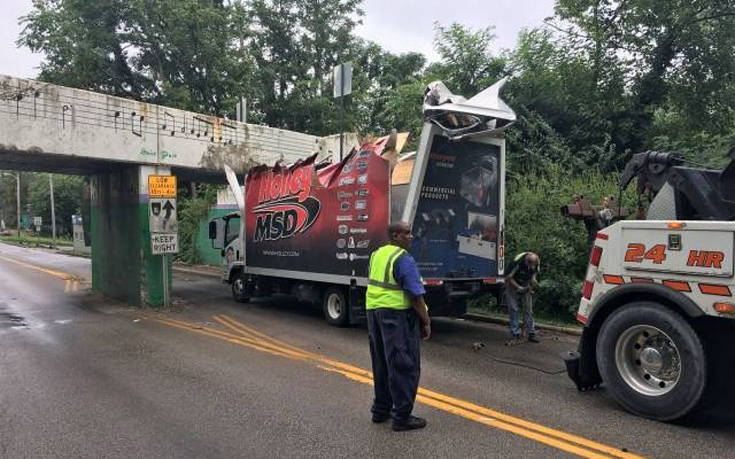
{"x":657,"y":300}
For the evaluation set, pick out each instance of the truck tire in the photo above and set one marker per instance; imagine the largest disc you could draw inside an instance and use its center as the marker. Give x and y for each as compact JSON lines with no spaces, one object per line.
{"x":238,"y":288}
{"x":335,"y":307}
{"x":652,"y":361}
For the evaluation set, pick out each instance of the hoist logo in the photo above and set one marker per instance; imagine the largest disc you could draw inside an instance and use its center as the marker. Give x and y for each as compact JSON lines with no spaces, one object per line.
{"x":285,"y":207}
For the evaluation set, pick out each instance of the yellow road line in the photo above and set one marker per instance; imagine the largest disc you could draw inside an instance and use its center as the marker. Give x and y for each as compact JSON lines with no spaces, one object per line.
{"x":466,"y":405}
{"x":233,"y":338}
{"x":210,"y":332}
{"x":52,"y":272}
{"x":550,"y":441}
{"x":252,"y":338}
{"x":245,"y":330}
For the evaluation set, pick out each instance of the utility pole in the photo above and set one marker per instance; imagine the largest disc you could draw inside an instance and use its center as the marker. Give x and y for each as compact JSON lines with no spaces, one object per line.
{"x":53,"y":210}
{"x":17,"y":202}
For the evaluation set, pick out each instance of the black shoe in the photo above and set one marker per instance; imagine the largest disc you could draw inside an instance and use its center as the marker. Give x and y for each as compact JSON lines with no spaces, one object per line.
{"x":380,"y":417}
{"x":413,"y":422}
{"x":533,"y":339}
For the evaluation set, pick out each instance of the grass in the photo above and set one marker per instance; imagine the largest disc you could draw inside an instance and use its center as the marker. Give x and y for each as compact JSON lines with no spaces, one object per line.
{"x":25,"y":239}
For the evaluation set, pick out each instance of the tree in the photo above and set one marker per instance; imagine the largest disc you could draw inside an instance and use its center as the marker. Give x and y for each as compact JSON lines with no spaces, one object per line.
{"x":676,"y":55}
{"x":295,"y":44}
{"x":466,"y":64}
{"x":68,"y":191}
{"x":177,"y":53}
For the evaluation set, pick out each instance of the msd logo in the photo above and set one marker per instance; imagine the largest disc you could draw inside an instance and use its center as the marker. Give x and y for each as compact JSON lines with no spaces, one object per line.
{"x":286,"y":207}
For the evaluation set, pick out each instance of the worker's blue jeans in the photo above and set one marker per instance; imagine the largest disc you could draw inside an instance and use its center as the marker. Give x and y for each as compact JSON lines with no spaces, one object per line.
{"x":517,"y":303}
{"x":394,"y":350}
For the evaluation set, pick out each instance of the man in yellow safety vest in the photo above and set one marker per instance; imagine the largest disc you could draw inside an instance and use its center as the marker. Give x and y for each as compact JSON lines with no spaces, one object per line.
{"x":397,"y":316}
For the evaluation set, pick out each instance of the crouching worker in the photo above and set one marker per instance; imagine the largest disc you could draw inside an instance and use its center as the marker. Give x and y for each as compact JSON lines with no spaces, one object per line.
{"x":521,"y":285}
{"x":397,"y":319}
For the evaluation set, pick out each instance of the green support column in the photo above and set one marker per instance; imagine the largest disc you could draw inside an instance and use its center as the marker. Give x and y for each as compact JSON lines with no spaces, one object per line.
{"x":122,"y":264}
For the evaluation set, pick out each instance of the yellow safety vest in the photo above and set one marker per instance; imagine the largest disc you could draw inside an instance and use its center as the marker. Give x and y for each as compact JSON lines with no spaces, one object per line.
{"x":383,"y":291}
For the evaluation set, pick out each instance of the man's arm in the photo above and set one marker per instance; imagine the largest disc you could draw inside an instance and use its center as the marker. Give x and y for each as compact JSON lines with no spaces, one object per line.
{"x":516,"y":286}
{"x":422,"y":311}
{"x":407,"y":275}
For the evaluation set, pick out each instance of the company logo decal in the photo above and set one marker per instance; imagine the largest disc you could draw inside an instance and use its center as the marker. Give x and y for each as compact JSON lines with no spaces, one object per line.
{"x":285,"y":207}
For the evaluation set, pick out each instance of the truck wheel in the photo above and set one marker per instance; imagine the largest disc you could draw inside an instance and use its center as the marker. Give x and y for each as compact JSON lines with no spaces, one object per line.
{"x":336,"y":309}
{"x":652,"y":361}
{"x":238,"y":288}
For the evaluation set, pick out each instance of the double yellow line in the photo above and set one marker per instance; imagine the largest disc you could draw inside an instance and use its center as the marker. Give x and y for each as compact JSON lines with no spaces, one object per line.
{"x":244,"y":335}
{"x":71,"y":282}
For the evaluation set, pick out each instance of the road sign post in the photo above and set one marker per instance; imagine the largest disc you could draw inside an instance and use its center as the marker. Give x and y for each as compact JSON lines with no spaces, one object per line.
{"x":342,"y":88}
{"x":163,"y":223}
{"x":37,"y":222}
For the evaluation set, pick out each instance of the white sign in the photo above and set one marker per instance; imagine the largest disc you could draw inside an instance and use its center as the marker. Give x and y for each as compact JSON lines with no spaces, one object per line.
{"x":37,"y":221}
{"x":162,"y":243}
{"x":162,"y":215}
{"x":342,"y":80}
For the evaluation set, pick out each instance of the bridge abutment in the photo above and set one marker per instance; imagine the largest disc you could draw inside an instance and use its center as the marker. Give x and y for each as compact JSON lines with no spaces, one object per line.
{"x":122,"y":264}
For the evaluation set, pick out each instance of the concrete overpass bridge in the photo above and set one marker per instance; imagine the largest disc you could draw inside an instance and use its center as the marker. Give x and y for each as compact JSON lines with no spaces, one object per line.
{"x":119,"y":142}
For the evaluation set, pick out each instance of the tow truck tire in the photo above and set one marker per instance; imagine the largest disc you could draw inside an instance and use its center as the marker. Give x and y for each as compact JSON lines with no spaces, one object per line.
{"x":335,"y":307}
{"x":238,"y":288}
{"x":652,"y":361}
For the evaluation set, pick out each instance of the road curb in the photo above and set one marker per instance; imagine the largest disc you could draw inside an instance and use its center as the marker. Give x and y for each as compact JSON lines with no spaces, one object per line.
{"x":504,"y":321}
{"x":198,"y":272}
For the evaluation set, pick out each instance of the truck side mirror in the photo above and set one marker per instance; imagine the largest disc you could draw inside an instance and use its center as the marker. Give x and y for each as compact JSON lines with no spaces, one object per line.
{"x":212,"y":230}
{"x":217,"y":233}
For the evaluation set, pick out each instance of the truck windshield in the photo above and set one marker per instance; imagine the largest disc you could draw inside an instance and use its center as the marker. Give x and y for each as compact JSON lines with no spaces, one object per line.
{"x":233,"y":230}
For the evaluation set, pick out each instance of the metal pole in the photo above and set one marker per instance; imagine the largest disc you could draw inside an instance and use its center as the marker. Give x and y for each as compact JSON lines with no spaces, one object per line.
{"x":53,"y":210}
{"x":164,"y":262}
{"x":342,"y":109}
{"x":17,"y":202}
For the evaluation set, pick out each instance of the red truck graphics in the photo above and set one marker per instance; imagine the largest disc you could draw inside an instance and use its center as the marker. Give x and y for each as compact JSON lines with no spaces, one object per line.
{"x":706,"y":258}
{"x":637,"y":253}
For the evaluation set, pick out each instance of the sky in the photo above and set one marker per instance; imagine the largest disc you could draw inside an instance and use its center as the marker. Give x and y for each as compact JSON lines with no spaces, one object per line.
{"x":397,"y":25}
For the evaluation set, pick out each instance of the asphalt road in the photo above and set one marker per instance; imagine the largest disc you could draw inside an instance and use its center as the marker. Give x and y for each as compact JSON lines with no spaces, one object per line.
{"x":84,"y":376}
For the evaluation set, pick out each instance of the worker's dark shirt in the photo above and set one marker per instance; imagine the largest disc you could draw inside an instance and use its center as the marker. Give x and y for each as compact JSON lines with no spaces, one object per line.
{"x":406,"y":273}
{"x":520,"y":271}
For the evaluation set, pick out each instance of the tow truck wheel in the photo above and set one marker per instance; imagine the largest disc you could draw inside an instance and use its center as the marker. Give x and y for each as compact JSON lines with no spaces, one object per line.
{"x":335,"y":306}
{"x":238,"y":288}
{"x":652,"y":361}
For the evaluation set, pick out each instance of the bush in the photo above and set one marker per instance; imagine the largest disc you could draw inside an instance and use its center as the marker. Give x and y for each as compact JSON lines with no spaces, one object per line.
{"x":192,"y":211}
{"x":534,"y":223}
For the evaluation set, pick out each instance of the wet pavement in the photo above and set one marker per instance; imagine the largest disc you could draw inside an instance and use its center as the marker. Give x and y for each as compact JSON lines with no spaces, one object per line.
{"x":84,"y":376}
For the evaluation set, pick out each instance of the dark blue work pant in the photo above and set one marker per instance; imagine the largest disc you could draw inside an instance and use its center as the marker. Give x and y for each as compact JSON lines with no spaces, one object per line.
{"x":394,"y":350}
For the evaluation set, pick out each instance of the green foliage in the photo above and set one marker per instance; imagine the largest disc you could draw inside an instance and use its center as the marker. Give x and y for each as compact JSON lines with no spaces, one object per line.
{"x":192,"y":211}
{"x":142,"y":49}
{"x":534,"y":223}
{"x":466,"y":61}
{"x":68,"y":191}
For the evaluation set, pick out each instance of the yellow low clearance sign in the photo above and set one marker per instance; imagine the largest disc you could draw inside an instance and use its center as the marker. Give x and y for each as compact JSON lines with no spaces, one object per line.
{"x":162,"y":186}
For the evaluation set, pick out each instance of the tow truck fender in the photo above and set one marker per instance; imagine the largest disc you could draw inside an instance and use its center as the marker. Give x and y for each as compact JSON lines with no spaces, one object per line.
{"x":582,"y":365}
